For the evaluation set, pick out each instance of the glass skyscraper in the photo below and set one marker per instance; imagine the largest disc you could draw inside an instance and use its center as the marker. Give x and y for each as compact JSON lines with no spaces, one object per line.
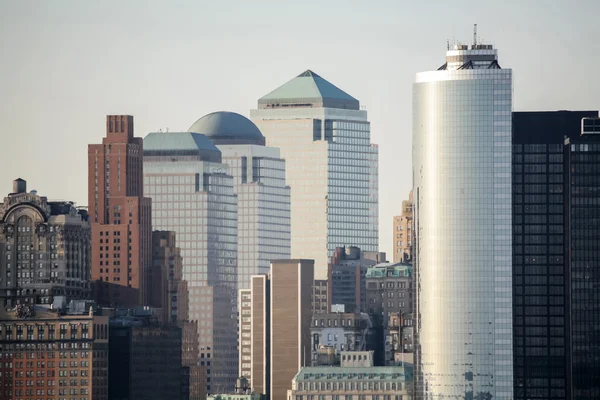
{"x":462,"y":200}
{"x":331,"y":166}
{"x":193,"y":194}
{"x":263,"y":197}
{"x":541,"y":272}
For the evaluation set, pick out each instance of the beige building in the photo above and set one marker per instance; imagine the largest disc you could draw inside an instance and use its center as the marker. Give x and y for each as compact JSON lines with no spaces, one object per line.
{"x":403,"y":237}
{"x":278,"y":325}
{"x":331,"y":165}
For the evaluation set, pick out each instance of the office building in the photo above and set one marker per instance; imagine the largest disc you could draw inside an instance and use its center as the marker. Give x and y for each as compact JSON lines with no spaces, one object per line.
{"x":193,"y":195}
{"x":462,"y":219}
{"x":169,"y":289}
{"x":145,"y":359}
{"x":354,"y":379}
{"x":541,"y":272}
{"x":259,"y":182}
{"x":44,"y":249}
{"x":403,"y":232}
{"x":280,"y":325}
{"x":340,"y":332}
{"x":290,"y":309}
{"x":347,"y":277}
{"x":331,"y":166}
{"x":582,"y":161}
{"x":52,"y":353}
{"x":120,"y":216}
{"x":321,"y":300}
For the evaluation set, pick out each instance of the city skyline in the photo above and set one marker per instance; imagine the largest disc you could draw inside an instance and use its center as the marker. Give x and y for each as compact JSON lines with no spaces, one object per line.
{"x":54,"y":73}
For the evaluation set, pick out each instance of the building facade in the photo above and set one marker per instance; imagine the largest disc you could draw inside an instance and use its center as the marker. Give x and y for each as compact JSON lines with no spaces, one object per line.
{"x":331,"y":166}
{"x":389,"y":290}
{"x":340,"y":332}
{"x":462,"y":193}
{"x":169,"y":289}
{"x":44,"y":250}
{"x":290,"y":312}
{"x":263,"y":197}
{"x":145,"y":359}
{"x":541,"y":272}
{"x":347,"y":277}
{"x":120,"y":216}
{"x":45,"y":354}
{"x":403,"y":237}
{"x":193,"y":195}
{"x":582,"y":161}
{"x":260,"y":333}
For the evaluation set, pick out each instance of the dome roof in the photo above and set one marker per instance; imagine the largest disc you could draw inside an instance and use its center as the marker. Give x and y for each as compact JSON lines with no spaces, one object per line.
{"x":226,"y":127}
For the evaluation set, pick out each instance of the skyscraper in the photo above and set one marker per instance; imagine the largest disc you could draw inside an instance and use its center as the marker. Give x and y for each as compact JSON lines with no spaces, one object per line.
{"x":120,"y":216}
{"x":263,"y":197}
{"x":582,"y":161}
{"x":462,"y":200}
{"x":193,"y":195}
{"x":331,"y":166}
{"x":541,"y":272}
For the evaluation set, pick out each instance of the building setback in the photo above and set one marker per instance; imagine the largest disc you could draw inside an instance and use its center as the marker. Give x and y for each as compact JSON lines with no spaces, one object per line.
{"x":44,"y":250}
{"x":331,"y":166}
{"x":120,"y":216}
{"x":462,"y":223}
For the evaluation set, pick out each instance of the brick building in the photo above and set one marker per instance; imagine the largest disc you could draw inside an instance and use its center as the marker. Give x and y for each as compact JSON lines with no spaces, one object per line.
{"x":46,"y":354}
{"x":120,"y":216}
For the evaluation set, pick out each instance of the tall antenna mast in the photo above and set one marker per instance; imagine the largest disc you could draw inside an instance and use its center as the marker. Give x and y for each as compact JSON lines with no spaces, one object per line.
{"x":475,"y":35}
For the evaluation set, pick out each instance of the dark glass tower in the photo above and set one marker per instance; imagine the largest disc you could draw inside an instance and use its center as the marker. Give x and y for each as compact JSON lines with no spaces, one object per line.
{"x":582,"y":160}
{"x":540,"y":252}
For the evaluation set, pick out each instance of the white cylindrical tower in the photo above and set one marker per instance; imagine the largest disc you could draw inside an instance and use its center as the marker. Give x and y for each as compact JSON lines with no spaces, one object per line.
{"x":462,"y":199}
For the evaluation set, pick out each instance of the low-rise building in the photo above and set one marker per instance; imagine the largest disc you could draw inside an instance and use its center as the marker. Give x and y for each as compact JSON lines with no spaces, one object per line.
{"x":333,"y":333}
{"x":53,"y":353}
{"x":349,"y":382}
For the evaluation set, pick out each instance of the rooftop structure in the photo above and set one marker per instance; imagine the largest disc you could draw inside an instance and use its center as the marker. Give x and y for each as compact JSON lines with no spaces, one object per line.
{"x":308,"y":90}
{"x":226,"y":127}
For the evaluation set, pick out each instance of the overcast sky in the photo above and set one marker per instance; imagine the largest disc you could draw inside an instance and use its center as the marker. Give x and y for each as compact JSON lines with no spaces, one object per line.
{"x":65,"y":65}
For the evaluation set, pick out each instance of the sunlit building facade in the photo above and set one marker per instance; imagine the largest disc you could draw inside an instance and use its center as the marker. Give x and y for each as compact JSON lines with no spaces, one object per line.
{"x":331,"y":166}
{"x":259,"y":182}
{"x":463,"y":253}
{"x":193,"y":195}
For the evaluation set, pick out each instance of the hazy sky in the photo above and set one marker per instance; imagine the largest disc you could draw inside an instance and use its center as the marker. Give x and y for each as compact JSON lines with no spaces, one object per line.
{"x":66,"y":64}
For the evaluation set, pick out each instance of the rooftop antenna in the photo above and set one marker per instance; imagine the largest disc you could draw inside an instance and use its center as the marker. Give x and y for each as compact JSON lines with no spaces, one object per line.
{"x":447,"y":44}
{"x":475,"y":35}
